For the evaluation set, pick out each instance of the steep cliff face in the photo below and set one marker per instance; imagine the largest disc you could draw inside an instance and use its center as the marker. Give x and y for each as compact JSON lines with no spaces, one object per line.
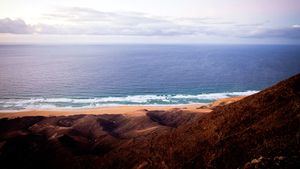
{"x":259,"y":131}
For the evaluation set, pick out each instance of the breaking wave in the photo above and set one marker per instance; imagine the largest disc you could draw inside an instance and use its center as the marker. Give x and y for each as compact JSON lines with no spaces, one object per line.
{"x":51,"y":103}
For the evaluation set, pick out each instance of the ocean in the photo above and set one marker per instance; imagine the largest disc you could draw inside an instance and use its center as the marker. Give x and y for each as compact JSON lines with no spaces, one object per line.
{"x":87,"y":76}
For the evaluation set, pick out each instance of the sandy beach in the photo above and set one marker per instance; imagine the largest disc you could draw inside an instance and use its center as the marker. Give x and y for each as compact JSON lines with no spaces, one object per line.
{"x":126,"y":110}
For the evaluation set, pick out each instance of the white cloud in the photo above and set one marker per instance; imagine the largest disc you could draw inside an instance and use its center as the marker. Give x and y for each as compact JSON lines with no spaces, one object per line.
{"x":17,"y":26}
{"x":296,"y":26}
{"x":282,"y":32}
{"x":86,"y":21}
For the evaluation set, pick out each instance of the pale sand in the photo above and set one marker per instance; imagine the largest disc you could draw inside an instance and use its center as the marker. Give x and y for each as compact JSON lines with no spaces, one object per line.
{"x":126,"y":110}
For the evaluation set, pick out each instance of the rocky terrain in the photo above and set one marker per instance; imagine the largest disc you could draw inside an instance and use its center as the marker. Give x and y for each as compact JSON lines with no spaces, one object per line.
{"x":259,"y":131}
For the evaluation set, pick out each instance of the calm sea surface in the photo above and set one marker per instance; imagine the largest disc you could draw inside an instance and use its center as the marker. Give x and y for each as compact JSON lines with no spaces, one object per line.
{"x":75,"y":76}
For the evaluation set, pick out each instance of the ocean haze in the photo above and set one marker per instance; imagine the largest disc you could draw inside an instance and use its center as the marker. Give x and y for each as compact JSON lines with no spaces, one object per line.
{"x":43,"y":76}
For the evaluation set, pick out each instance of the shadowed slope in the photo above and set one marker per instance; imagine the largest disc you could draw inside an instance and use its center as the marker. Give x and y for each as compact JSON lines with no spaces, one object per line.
{"x":80,"y":141}
{"x":266,"y":124}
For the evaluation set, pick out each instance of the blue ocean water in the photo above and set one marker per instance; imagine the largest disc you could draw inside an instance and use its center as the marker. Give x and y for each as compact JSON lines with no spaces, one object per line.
{"x":78,"y":76}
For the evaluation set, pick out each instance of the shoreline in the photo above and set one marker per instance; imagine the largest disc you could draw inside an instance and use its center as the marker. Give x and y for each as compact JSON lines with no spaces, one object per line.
{"x":17,"y":104}
{"x":105,"y":106}
{"x":131,"y":110}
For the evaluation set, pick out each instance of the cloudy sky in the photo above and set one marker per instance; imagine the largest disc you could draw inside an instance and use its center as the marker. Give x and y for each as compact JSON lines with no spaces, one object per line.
{"x":150,"y":21}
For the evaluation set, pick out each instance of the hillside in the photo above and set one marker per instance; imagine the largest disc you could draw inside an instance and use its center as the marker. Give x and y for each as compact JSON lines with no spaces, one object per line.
{"x":261,"y":128}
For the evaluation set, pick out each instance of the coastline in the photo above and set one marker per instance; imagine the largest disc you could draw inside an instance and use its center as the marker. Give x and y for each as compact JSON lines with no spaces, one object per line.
{"x":130,"y":110}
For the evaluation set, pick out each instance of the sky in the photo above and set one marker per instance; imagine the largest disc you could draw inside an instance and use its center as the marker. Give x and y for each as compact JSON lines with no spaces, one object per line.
{"x":150,"y":21}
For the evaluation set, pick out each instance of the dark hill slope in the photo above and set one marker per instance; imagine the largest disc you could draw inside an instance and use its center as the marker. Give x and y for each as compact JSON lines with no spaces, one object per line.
{"x":262,"y":128}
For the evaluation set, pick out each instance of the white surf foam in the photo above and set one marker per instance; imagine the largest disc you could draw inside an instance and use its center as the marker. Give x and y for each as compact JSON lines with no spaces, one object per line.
{"x":51,"y":103}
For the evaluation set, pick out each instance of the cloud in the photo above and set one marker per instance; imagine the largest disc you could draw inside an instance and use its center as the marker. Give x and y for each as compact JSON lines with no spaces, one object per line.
{"x":292,"y":32}
{"x":17,"y":26}
{"x":93,"y":22}
{"x":86,"y":21}
{"x":85,"y":15}
{"x":89,"y":21}
{"x":296,"y":26}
